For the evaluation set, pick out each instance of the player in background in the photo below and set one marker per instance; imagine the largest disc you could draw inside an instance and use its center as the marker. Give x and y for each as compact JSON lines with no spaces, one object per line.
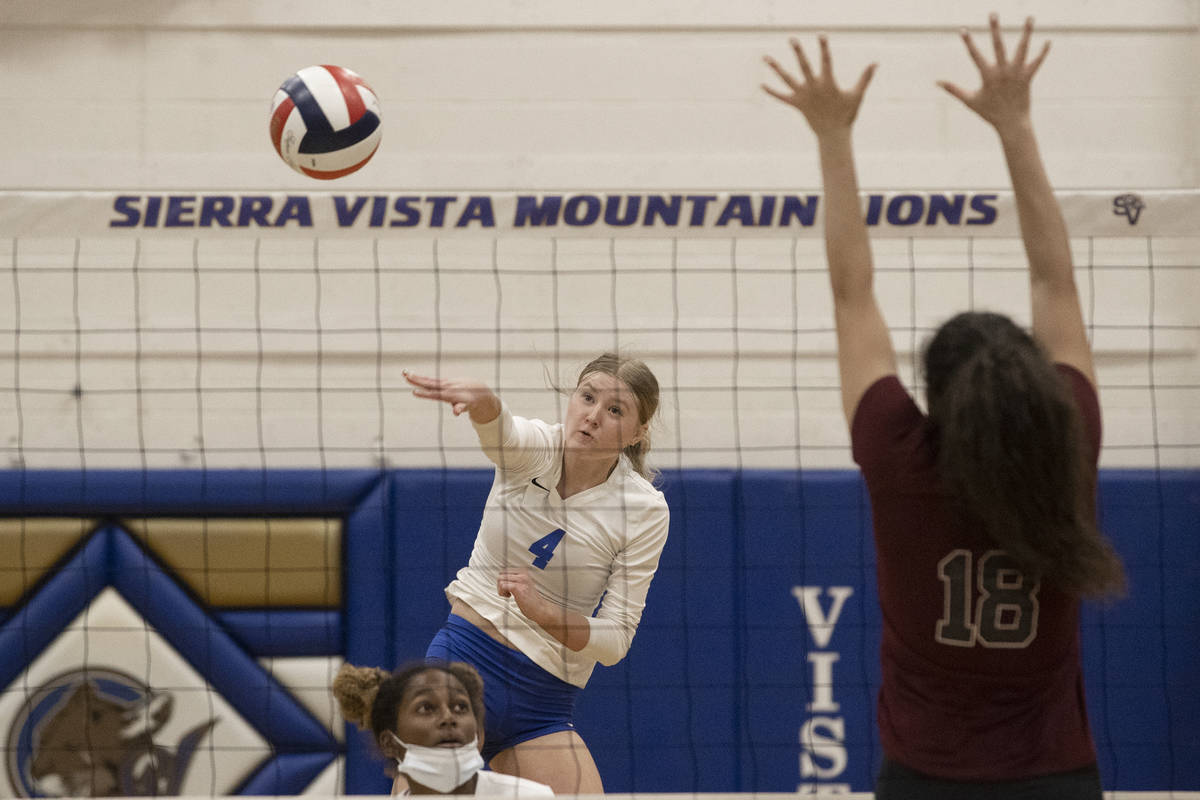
{"x":984,"y":509}
{"x":428,"y":717}
{"x":570,"y":539}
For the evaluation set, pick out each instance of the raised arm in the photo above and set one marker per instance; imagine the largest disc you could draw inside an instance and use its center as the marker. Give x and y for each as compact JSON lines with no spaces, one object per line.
{"x":1003,"y":101}
{"x":865,"y":352}
{"x":480,"y":402}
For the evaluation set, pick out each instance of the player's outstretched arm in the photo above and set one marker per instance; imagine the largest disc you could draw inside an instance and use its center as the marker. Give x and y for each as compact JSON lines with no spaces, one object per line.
{"x":475,"y":398}
{"x":1003,"y":100}
{"x":865,"y":351}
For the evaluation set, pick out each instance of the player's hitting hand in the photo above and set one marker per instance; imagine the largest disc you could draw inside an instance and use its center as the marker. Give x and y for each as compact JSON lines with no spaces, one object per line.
{"x":471,"y":396}
{"x":826,"y":107}
{"x":1003,"y":99}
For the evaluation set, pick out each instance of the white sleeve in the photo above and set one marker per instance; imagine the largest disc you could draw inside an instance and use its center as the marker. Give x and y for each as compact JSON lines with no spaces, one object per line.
{"x":516,"y":444}
{"x":611,"y":630}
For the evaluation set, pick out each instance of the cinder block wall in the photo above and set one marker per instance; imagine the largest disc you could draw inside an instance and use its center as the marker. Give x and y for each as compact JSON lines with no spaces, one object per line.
{"x":535,"y":94}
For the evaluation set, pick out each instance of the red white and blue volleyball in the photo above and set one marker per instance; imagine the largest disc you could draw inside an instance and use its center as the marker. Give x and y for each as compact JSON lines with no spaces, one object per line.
{"x":325,"y":122}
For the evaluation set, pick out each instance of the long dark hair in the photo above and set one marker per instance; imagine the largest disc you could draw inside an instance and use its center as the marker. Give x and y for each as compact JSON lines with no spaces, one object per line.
{"x":1012,"y":452}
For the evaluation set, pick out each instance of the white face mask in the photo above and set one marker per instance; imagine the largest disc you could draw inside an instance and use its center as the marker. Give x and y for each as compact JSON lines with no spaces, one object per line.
{"x":442,"y":769}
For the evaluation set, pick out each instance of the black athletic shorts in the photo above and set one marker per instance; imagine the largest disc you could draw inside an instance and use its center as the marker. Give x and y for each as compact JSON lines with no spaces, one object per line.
{"x":897,"y":782}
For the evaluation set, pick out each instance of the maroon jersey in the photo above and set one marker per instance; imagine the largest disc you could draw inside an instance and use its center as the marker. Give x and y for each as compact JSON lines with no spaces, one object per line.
{"x":982,"y":677}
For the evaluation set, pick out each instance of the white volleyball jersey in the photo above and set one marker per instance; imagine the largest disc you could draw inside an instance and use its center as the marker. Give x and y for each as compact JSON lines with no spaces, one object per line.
{"x":597,"y":549}
{"x":496,"y":784}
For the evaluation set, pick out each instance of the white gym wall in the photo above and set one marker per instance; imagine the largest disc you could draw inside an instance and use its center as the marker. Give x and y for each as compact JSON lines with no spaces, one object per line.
{"x":539,"y":96}
{"x":532,"y":94}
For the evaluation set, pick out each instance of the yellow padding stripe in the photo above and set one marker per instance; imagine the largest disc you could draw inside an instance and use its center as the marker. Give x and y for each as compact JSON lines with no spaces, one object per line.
{"x":30,"y":546}
{"x":251,"y":562}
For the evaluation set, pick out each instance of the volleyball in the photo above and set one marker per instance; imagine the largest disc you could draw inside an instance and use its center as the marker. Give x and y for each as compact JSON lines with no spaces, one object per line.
{"x":325,"y":122}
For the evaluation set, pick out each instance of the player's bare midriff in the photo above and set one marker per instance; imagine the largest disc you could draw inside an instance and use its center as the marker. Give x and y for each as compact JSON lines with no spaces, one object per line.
{"x":461,"y":609}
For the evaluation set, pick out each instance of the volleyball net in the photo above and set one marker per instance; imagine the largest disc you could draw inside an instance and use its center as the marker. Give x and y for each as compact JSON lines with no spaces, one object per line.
{"x":217,"y":486}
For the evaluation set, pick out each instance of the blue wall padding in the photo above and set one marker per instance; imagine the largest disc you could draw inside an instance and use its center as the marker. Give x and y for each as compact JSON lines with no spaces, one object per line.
{"x":673,"y":700}
{"x":803,"y":529}
{"x":1143,"y":665}
{"x":369,"y":613}
{"x":285,"y":632}
{"x":719,"y":682}
{"x":181,"y":492}
{"x":111,"y":557}
{"x":286,"y":774}
{"x":436,"y":516}
{"x":366,"y":578}
{"x":210,"y":650}
{"x":59,"y":599}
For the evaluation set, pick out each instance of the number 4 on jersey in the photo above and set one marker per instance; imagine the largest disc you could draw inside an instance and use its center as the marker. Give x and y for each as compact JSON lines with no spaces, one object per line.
{"x":1005,"y":612}
{"x":543,"y":548}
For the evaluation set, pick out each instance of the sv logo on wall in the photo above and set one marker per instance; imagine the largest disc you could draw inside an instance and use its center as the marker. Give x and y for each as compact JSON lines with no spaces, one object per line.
{"x":98,"y":733}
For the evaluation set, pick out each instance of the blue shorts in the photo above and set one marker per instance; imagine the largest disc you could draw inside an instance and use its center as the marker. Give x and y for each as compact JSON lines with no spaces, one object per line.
{"x":522,"y":700}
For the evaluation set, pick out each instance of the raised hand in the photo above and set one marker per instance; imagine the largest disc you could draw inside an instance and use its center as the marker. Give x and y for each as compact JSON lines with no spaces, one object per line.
{"x":471,"y":396}
{"x":826,"y":107}
{"x":1003,"y":99}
